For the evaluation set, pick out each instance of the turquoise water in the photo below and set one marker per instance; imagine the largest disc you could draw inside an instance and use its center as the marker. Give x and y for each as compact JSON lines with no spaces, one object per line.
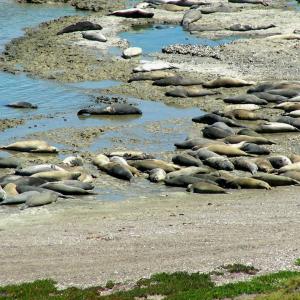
{"x":15,"y":17}
{"x":154,"y":38}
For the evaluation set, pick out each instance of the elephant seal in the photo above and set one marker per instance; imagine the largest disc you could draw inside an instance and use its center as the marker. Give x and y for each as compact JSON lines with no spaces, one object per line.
{"x":212,"y":118}
{"x":234,"y":139}
{"x":288,"y":106}
{"x":252,"y":148}
{"x":227,"y":82}
{"x":220,"y":163}
{"x":40,"y":199}
{"x":4,"y":180}
{"x":184,"y":180}
{"x":267,"y":86}
{"x":119,"y":171}
{"x":9,"y":162}
{"x":203,"y":154}
{"x":131,"y":155}
{"x":56,"y":175}
{"x":150,"y":164}
{"x":279,"y":161}
{"x":132,"y":13}
{"x":190,"y":16}
{"x":270,"y":97}
{"x":218,"y":130}
{"x":248,"y":132}
{"x":250,"y":107}
{"x":73,"y":161}
{"x":205,"y":188}
{"x":289,"y":93}
{"x":292,"y":174}
{"x":189,"y":171}
{"x":66,"y":189}
{"x":28,"y":188}
{"x":186,"y":160}
{"x":251,"y":183}
{"x":247,"y":27}
{"x":262,"y":2}
{"x":119,"y":160}
{"x":3,"y":195}
{"x":155,"y":75}
{"x":294,"y":158}
{"x":275,"y":127}
{"x":243,"y":114}
{"x":190,"y":91}
{"x":291,"y":167}
{"x":245,"y":99}
{"x":19,"y":199}
{"x":80,"y":26}
{"x":78,"y":184}
{"x":244,"y":164}
{"x":157,"y":175}
{"x":216,"y":8}
{"x":27,"y":180}
{"x":100,"y":160}
{"x":275,"y":180}
{"x":293,"y":114}
{"x":10,"y":189}
{"x":33,"y":146}
{"x":177,"y":80}
{"x":153,"y":66}
{"x":22,"y":104}
{"x":132,"y":52}
{"x":94,"y":36}
{"x":227,"y":150}
{"x":263,"y":165}
{"x":114,"y":109}
{"x":191,"y":143}
{"x":28,"y":171}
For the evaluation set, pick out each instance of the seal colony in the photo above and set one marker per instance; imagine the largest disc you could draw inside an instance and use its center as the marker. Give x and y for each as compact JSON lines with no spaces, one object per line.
{"x":232,"y":149}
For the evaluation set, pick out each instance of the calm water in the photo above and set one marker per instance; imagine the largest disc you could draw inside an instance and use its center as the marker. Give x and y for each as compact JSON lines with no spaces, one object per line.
{"x":154,"y":38}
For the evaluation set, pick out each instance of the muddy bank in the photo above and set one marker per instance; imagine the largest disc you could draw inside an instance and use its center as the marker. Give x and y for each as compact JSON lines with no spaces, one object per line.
{"x":88,"y":243}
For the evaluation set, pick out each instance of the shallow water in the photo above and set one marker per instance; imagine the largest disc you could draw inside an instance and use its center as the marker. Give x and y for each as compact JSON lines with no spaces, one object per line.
{"x":154,"y":38}
{"x":155,"y":131}
{"x":15,"y":17}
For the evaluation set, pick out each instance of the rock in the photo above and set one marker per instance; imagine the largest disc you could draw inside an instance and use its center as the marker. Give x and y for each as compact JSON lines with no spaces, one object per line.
{"x":132,"y":52}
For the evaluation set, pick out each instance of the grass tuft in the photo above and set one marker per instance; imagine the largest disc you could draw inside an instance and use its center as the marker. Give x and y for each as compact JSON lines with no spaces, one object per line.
{"x":239,"y":268}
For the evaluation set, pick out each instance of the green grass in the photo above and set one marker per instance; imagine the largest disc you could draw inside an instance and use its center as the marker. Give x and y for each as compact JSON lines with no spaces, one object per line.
{"x":297,"y":262}
{"x":239,"y":268}
{"x":283,"y":285}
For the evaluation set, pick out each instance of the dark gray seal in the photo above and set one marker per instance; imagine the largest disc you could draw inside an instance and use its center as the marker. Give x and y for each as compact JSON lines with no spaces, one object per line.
{"x":114,"y":109}
{"x":290,"y":120}
{"x":270,"y":97}
{"x":205,"y":188}
{"x":248,"y":27}
{"x":245,"y":99}
{"x":186,"y":160}
{"x":252,"y":148}
{"x":217,"y":130}
{"x":118,"y":171}
{"x":275,"y":180}
{"x":242,"y":163}
{"x":177,"y":80}
{"x":22,"y":104}
{"x":220,"y":163}
{"x":184,"y":180}
{"x":9,"y":162}
{"x":80,"y":26}
{"x":212,"y":118}
{"x":132,"y":13}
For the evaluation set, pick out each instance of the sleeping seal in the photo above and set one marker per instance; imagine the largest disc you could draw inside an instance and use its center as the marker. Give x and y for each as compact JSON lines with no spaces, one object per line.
{"x":34,"y":146}
{"x":234,"y":139}
{"x":186,"y":160}
{"x":245,"y":99}
{"x":177,"y":80}
{"x":19,"y":199}
{"x":184,"y":180}
{"x":9,"y":162}
{"x":227,"y":82}
{"x":150,"y":164}
{"x":22,"y":104}
{"x":80,"y":26}
{"x":217,"y":130}
{"x":190,"y":91}
{"x":37,"y":169}
{"x":241,"y":163}
{"x":279,"y":161}
{"x":251,"y":183}
{"x":40,"y":199}
{"x":114,"y":109}
{"x":227,"y":150}
{"x":205,"y":188}
{"x":155,"y":75}
{"x":157,"y":175}
{"x":94,"y":36}
{"x":132,"y":13}
{"x":220,"y":163}
{"x":255,"y":149}
{"x":56,"y":175}
{"x":118,"y":170}
{"x":275,"y":127}
{"x":212,"y":118}
{"x":66,"y":189}
{"x":275,"y":180}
